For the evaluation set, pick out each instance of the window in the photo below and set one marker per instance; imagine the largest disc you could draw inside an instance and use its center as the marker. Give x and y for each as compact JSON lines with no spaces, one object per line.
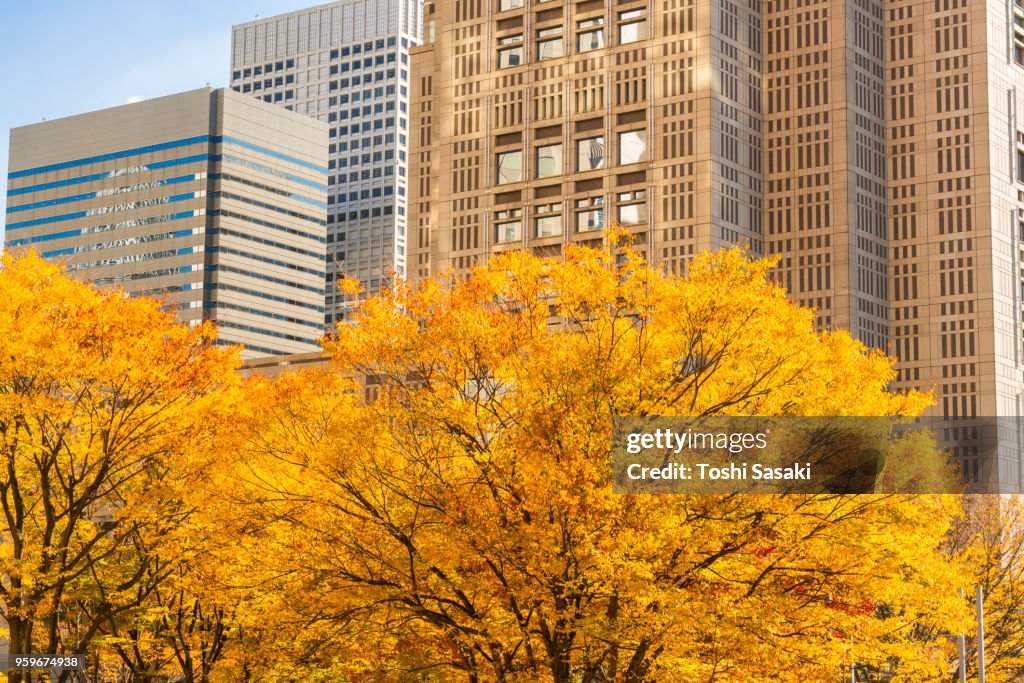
{"x":512,"y":55}
{"x":504,"y":5}
{"x":1018,"y":34}
{"x":632,"y":26}
{"x":547,"y":221}
{"x":632,"y":207}
{"x":589,"y":214}
{"x":549,"y":43}
{"x":549,"y":161}
{"x":633,"y":147}
{"x":510,"y":167}
{"x":509,"y":225}
{"x":590,"y":154}
{"x":590,"y":34}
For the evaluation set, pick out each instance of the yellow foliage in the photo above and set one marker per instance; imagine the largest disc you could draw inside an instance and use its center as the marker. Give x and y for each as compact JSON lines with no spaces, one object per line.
{"x":463,"y":523}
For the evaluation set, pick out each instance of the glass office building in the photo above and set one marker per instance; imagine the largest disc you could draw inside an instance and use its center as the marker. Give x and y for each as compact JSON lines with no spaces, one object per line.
{"x":210,"y":199}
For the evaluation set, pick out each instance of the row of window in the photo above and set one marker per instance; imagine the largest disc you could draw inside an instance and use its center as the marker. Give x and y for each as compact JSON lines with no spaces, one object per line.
{"x":246,"y":88}
{"x":365,"y":174}
{"x":107,"y":192}
{"x":125,"y":259}
{"x":375,"y":141}
{"x":318,"y":291}
{"x":265,"y":295}
{"x":366,"y":127}
{"x":368,"y":63}
{"x":266,"y":313}
{"x":376,"y":157}
{"x":355,"y":130}
{"x":590,"y":155}
{"x":632,"y":27}
{"x":367,"y":47}
{"x":122,"y":242}
{"x":103,"y":210}
{"x":588,"y":215}
{"x":363,"y":214}
{"x":368,"y":94}
{"x":268,"y":68}
{"x":370,"y":193}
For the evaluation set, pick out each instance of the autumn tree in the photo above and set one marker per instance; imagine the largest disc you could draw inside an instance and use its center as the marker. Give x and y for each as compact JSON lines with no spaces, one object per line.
{"x":462,"y":525}
{"x":104,"y":421}
{"x":989,"y":539}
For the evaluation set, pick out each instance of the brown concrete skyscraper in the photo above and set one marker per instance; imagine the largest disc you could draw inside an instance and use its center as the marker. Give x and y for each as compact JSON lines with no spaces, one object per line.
{"x":696,"y":124}
{"x":873,"y":147}
{"x":538,"y":123}
{"x":824,"y":119}
{"x":955,"y":72}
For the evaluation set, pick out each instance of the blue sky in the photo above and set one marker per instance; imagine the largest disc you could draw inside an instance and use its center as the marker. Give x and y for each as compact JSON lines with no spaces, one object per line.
{"x":61,"y":57}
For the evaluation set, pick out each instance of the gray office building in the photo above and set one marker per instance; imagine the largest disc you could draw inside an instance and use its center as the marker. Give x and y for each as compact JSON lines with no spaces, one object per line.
{"x":345,"y":63}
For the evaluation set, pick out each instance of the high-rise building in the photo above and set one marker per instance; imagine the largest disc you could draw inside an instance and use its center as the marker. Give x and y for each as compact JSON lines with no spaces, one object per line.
{"x":537,"y":123}
{"x":873,"y":147}
{"x":955,"y":79}
{"x":697,"y":125}
{"x":345,"y":63}
{"x":211,"y":199}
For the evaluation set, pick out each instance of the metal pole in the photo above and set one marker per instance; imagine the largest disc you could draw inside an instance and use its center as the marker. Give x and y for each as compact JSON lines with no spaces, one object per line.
{"x":962,"y":666}
{"x":979,"y":596}
{"x":962,"y":647}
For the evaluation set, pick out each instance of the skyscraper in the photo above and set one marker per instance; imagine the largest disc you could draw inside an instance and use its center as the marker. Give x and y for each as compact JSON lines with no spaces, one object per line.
{"x":874,"y":148}
{"x":345,"y":63}
{"x":538,"y":123}
{"x":955,"y":78}
{"x":209,"y":198}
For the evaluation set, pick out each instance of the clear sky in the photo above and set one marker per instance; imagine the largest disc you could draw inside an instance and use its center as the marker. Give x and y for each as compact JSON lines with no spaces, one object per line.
{"x":64,"y":57}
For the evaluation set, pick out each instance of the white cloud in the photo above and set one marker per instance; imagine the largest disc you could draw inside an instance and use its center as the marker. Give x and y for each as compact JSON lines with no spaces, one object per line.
{"x":133,"y":99}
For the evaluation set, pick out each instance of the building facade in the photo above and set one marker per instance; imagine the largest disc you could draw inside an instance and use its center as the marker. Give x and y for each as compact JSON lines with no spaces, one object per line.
{"x":697,"y":125}
{"x":955,"y":84}
{"x":537,"y":124}
{"x":211,"y":199}
{"x":873,"y":148}
{"x":347,"y":64}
